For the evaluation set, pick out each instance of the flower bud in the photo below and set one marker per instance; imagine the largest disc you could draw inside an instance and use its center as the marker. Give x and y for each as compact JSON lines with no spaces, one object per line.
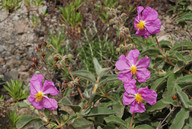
{"x":35,"y":60}
{"x":43,"y":54}
{"x":56,"y":58}
{"x":174,"y":97}
{"x":117,"y":49}
{"x":39,"y":45}
{"x":37,"y":49}
{"x":45,"y":44}
{"x":33,"y":64}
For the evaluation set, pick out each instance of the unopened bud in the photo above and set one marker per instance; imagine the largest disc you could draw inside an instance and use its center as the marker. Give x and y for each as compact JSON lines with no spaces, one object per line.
{"x":56,"y":58}
{"x":45,"y":44}
{"x":39,"y":45}
{"x":43,"y":54}
{"x":117,"y":49}
{"x":174,"y":97}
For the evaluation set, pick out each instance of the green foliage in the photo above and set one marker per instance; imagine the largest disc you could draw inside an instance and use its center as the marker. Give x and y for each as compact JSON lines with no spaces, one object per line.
{"x":11,"y":5}
{"x":70,"y":14}
{"x":1,"y":98}
{"x":13,"y":118}
{"x":16,"y":90}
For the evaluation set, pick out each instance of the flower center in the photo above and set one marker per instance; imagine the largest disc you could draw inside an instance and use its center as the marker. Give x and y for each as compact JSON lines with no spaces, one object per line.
{"x":141,"y":25}
{"x":38,"y":96}
{"x":138,"y":98}
{"x":133,"y":69}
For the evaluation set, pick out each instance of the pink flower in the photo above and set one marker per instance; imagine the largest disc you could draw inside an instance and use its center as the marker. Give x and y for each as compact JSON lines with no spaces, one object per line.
{"x":147,"y":21}
{"x":130,"y":66}
{"x":135,"y":98}
{"x":38,"y":96}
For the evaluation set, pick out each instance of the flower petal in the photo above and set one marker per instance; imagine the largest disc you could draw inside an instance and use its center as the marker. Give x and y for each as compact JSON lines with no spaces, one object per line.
{"x":127,"y":99}
{"x":36,"y":83}
{"x":143,"y":74}
{"x":49,"y":103}
{"x":38,"y":105}
{"x":122,"y":64}
{"x":137,"y":19}
{"x":149,"y":14}
{"x":143,"y":63}
{"x":150,"y":96}
{"x":137,"y":108}
{"x":154,"y":26}
{"x":125,"y":76}
{"x":143,"y":32}
{"x":130,"y":87}
{"x":49,"y":88}
{"x":139,"y":10}
{"x":132,"y":57}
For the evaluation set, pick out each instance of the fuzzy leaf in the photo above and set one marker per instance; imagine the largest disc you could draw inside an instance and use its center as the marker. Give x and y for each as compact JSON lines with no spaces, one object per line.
{"x":185,"y":17}
{"x":23,"y":121}
{"x":145,"y":126}
{"x":97,"y":111}
{"x":179,"y":119}
{"x":97,"y":66}
{"x":185,"y":80}
{"x":85,"y":74}
{"x":183,"y":97}
{"x":158,"y":106}
{"x":81,"y":123}
{"x":65,"y":101}
{"x":115,"y":119}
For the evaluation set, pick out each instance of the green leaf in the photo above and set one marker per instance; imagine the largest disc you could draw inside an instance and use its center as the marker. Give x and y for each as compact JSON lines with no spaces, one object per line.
{"x":118,"y":109}
{"x":144,"y":126}
{"x":115,"y":119}
{"x":65,"y":101}
{"x":179,"y":67}
{"x":97,"y":111}
{"x":183,"y":97}
{"x":81,"y":123}
{"x":97,"y":66}
{"x":23,"y":121}
{"x":186,"y":45}
{"x":185,"y":17}
{"x":179,"y":119}
{"x":108,"y":78}
{"x":85,"y":74}
{"x":171,"y":86}
{"x":158,"y":106}
{"x":185,"y":80}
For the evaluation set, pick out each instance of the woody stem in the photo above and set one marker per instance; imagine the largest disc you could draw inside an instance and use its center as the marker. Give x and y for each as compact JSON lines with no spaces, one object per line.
{"x":131,"y":121}
{"x":56,"y":120}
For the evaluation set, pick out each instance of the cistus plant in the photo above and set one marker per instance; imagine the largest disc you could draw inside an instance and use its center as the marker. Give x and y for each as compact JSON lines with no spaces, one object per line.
{"x":111,"y":76}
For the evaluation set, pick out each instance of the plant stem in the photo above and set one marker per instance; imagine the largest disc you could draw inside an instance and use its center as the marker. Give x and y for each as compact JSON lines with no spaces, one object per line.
{"x":131,"y":121}
{"x":56,"y":120}
{"x":161,"y":123}
{"x":74,"y":81}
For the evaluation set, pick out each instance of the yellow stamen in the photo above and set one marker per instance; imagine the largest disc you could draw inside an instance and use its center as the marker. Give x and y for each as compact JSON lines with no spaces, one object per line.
{"x":141,"y":25}
{"x":133,"y":69}
{"x":38,"y":96}
{"x":138,"y":98}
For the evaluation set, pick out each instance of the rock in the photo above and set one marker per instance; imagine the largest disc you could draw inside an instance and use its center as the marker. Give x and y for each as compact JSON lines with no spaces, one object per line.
{"x":24,"y":75}
{"x":13,"y":62}
{"x":13,"y":74}
{"x":2,"y":61}
{"x":20,"y":28}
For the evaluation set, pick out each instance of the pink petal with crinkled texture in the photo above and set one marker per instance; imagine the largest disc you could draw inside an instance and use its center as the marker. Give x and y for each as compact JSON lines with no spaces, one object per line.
{"x":143,"y":63}
{"x":130,"y":87}
{"x":143,"y":32}
{"x":137,"y":20}
{"x":143,"y":74}
{"x":149,"y":14}
{"x":49,"y":103}
{"x":125,"y":76}
{"x":36,"y":83}
{"x":38,"y":105}
{"x":128,"y":99}
{"x":132,"y":56}
{"x":154,"y":26}
{"x":122,"y":64}
{"x":150,"y":96}
{"x":137,"y":108}
{"x":139,"y":10}
{"x":49,"y":88}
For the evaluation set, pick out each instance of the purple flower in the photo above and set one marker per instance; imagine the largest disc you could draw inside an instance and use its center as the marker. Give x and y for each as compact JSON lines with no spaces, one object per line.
{"x":130,"y":66}
{"x":38,"y":93}
{"x":147,"y":21}
{"x":135,"y":98}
